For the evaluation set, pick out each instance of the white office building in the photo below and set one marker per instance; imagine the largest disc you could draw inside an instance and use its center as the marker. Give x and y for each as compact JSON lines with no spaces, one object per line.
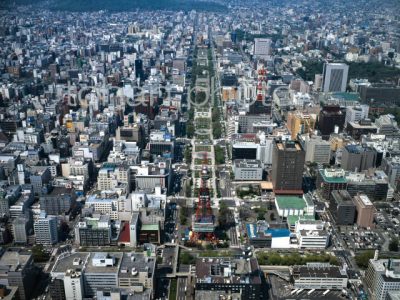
{"x":319,"y":276}
{"x":311,"y":234}
{"x":46,"y":229}
{"x":356,"y":113}
{"x":262,"y":47}
{"x":247,"y":169}
{"x":312,"y":239}
{"x":317,"y":150}
{"x":382,"y":277}
{"x":73,"y":285}
{"x":335,"y":77}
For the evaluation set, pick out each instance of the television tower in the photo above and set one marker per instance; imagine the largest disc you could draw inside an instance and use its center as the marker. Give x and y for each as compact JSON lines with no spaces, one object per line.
{"x":203,"y":221}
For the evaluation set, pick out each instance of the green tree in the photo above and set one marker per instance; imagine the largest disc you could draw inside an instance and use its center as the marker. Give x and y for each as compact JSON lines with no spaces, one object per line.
{"x":39,"y":254}
{"x":217,"y":131}
{"x":224,"y":216}
{"x":272,"y":216}
{"x":362,"y":259}
{"x":186,"y":258}
{"x":219,"y":155}
{"x":188,"y":155}
{"x":183,"y":214}
{"x":394,"y":245}
{"x":190,"y":130}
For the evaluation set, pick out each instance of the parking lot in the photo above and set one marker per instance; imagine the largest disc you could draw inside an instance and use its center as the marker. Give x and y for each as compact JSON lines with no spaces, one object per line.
{"x":358,"y":239}
{"x":387,"y":218}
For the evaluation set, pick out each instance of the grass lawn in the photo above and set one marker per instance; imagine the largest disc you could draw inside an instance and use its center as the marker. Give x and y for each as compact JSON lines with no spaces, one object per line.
{"x":202,"y":148}
{"x":200,"y":161}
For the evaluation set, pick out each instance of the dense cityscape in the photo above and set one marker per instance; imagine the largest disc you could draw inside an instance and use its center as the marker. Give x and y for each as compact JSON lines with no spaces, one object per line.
{"x":199,"y":149}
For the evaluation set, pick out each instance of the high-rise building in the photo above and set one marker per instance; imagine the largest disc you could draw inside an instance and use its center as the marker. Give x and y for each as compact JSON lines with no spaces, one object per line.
{"x":300,"y":123}
{"x":342,"y":207}
{"x":93,"y":231}
{"x":134,"y":229}
{"x":382,"y":276}
{"x":139,"y":69}
{"x":331,"y":119}
{"x":358,"y":158}
{"x":111,"y":175}
{"x":261,"y":107}
{"x":4,"y":205}
{"x":17,"y":269}
{"x":365,"y":211}
{"x":375,"y":186}
{"x":73,"y":285}
{"x":85,"y":273}
{"x":356,"y":113}
{"x":318,"y":79}
{"x":288,"y":159}
{"x":335,"y":77}
{"x":46,"y":229}
{"x":317,"y":150}
{"x":59,"y":201}
{"x":262,"y":47}
{"x":329,"y":180}
{"x":20,"y":229}
{"x":247,"y":169}
{"x":392,"y":169}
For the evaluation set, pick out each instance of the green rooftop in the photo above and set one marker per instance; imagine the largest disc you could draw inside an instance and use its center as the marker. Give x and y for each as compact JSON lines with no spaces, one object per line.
{"x":291,"y":220}
{"x":150,"y":227}
{"x":335,"y":179}
{"x":346,"y":96}
{"x":287,"y":202}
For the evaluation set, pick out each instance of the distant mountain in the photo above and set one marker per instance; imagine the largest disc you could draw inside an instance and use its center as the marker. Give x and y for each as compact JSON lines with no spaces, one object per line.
{"x":119,"y":5}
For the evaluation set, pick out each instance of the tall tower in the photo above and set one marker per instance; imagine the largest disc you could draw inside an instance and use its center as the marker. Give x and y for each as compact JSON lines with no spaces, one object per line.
{"x":261,"y":105}
{"x":203,"y":221}
{"x":261,"y":82}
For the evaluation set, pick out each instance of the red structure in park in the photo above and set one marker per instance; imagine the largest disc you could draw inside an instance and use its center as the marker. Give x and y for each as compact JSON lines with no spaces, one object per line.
{"x":203,"y":221}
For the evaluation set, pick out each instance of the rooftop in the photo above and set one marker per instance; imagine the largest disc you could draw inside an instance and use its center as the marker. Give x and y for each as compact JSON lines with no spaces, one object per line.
{"x":342,"y":196}
{"x":318,"y":271}
{"x":365,"y":200}
{"x":227,"y":270}
{"x":333,"y":176}
{"x":68,"y":261}
{"x":289,"y":146}
{"x":291,"y":220}
{"x":132,"y":262}
{"x":150,"y":227}
{"x":14,"y":260}
{"x":247,"y":163}
{"x":91,"y":266}
{"x":286,"y":202}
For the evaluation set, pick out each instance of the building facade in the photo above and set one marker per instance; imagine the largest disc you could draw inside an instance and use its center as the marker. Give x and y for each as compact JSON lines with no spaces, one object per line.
{"x":335,"y":77}
{"x":247,"y":169}
{"x":287,"y":166}
{"x":46,"y":229}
